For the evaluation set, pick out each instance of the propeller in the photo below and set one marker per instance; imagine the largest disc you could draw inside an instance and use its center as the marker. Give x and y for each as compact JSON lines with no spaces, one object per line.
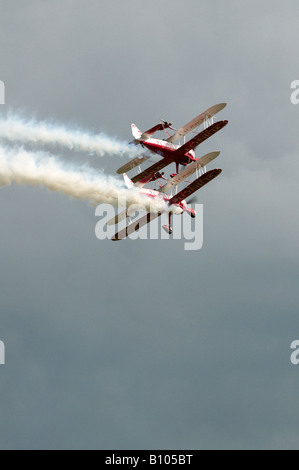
{"x":192,"y":200}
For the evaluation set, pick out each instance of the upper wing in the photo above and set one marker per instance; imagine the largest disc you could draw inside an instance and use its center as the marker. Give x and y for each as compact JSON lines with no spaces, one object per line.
{"x":197,"y":184}
{"x":135,"y":226}
{"x":188,"y":171}
{"x":199,"y":138}
{"x":196,"y":122}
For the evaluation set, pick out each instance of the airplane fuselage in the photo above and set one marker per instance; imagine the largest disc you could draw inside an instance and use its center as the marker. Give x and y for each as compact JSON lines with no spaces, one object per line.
{"x":165,"y":149}
{"x":176,"y":208}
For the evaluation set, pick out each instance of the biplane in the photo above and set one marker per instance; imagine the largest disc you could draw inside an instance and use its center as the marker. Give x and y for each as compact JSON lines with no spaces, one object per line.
{"x":172,"y":151}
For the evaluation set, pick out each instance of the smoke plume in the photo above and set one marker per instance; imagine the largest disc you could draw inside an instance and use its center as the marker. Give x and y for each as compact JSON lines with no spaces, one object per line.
{"x":16,"y":129}
{"x":22,"y":167}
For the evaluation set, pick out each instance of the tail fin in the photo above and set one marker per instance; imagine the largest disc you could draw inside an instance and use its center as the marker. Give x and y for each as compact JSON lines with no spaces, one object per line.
{"x":136,"y":132}
{"x":128,"y":182}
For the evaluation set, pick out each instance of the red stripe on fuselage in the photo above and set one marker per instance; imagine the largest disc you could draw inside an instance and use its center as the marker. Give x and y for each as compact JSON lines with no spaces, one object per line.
{"x":167,"y":152}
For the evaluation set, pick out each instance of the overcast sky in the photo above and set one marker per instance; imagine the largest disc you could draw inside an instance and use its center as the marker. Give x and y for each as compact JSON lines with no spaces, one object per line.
{"x":141,"y":344}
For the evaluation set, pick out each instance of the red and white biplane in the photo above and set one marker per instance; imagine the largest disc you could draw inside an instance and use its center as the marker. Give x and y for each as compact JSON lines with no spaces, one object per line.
{"x":180,"y":154}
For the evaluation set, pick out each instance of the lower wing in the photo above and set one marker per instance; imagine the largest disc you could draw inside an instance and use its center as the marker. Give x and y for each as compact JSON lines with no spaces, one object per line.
{"x":135,"y":226}
{"x":132,"y":164}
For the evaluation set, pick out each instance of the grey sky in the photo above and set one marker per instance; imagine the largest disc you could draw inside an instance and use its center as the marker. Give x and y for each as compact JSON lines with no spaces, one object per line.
{"x":142,"y":344}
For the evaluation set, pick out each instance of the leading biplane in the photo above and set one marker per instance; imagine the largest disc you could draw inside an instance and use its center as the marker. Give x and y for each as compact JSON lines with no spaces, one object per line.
{"x":171,"y":152}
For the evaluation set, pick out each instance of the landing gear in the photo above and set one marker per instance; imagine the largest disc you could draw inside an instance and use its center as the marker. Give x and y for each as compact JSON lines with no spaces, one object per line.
{"x":168,"y":228}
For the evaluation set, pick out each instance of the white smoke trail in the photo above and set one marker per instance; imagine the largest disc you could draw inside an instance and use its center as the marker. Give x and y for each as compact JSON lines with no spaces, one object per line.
{"x":16,"y":129}
{"x":38,"y":168}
